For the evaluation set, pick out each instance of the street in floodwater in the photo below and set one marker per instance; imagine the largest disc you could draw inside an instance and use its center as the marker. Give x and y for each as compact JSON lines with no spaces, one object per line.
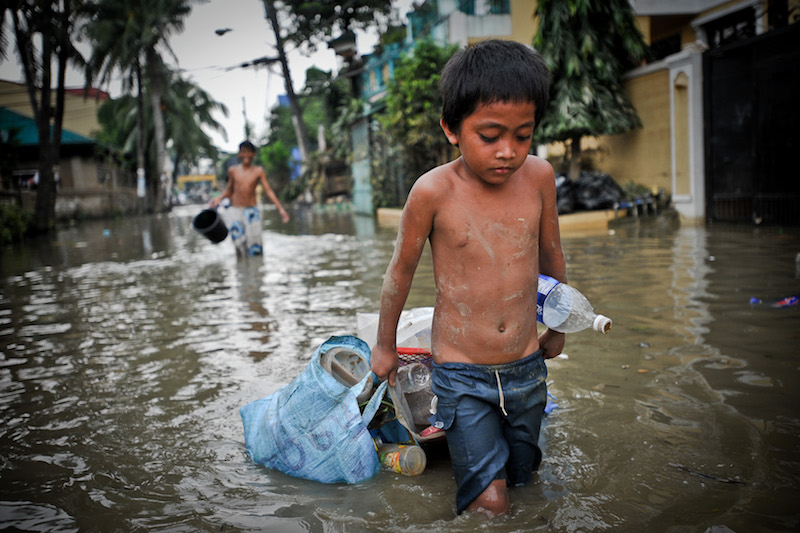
{"x":128,"y":346}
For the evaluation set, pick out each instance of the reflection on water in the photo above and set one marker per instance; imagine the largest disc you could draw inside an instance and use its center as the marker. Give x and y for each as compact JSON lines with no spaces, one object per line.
{"x":128,"y":346}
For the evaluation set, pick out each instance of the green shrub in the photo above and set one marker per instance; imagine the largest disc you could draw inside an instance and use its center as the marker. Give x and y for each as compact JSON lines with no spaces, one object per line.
{"x":634,"y":190}
{"x":14,"y":223}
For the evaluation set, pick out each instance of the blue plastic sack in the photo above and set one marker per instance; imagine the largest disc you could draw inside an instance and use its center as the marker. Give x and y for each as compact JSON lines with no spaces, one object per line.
{"x":312,"y":428}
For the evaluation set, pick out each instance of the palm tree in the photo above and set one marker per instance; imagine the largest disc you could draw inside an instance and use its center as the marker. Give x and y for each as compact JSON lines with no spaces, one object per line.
{"x":187,"y":109}
{"x":188,"y":112}
{"x":131,"y":37}
{"x":116,"y":48}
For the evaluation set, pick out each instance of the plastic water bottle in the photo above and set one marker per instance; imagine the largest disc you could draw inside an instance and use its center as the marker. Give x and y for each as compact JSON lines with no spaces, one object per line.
{"x":414,"y":383}
{"x":563,"y":308}
{"x":406,"y":459}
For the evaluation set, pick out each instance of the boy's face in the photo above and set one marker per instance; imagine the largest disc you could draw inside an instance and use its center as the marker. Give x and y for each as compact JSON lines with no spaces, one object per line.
{"x":495,"y":139}
{"x":246,"y":156}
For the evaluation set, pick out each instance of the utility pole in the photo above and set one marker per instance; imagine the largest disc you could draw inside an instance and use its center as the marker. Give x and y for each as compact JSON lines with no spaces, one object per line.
{"x":294,"y":105}
{"x":247,"y":132}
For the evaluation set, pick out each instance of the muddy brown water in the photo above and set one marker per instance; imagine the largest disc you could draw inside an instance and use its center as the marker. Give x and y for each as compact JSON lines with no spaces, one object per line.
{"x":128,"y":346}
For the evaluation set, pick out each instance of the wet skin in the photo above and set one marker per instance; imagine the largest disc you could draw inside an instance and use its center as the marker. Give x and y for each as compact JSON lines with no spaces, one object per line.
{"x":243,"y":179}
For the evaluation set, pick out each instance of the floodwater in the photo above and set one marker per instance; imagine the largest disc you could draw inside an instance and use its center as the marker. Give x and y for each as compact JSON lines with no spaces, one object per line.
{"x":128,"y":346}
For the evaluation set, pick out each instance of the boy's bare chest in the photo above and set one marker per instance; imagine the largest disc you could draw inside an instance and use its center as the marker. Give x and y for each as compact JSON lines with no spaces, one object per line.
{"x":245,"y":179}
{"x":486,"y":228}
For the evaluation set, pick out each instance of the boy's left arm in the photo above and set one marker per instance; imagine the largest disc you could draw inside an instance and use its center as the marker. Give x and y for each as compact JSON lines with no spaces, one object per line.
{"x":551,"y":256}
{"x":272,"y":196}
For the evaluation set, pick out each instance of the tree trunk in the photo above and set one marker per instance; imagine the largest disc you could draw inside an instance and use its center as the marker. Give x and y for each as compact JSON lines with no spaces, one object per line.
{"x":44,"y":193}
{"x":140,"y":162}
{"x":155,"y":79}
{"x":574,"y":169}
{"x":62,"y":40}
{"x":294,"y":105}
{"x":49,"y":142}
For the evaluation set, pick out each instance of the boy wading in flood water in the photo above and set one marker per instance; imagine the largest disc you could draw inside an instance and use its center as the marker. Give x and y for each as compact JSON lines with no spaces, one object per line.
{"x":244,"y":216}
{"x":492,"y":223}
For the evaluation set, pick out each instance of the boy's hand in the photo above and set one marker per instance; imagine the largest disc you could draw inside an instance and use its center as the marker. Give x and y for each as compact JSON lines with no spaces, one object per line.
{"x":214,"y":202}
{"x":384,"y":363}
{"x":551,"y":343}
{"x":284,"y":216}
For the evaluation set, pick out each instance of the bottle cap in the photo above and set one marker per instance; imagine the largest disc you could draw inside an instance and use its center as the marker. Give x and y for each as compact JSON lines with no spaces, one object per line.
{"x":602,"y":324}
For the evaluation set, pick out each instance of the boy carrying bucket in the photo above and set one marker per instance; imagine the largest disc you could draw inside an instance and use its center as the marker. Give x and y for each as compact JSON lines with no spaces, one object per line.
{"x":243,"y":216}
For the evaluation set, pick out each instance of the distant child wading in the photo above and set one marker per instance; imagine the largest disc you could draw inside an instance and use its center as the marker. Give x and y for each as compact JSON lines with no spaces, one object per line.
{"x":491,"y":220}
{"x":243,"y":217}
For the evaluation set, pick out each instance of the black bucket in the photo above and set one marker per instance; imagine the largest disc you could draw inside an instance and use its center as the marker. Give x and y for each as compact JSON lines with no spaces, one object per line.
{"x":209,"y":223}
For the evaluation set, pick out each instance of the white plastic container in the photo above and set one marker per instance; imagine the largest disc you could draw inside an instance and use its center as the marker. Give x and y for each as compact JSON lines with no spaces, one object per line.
{"x":348,"y":368}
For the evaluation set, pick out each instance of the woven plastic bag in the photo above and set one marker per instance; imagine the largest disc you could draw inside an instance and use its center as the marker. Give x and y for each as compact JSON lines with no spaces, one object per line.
{"x":313,"y":428}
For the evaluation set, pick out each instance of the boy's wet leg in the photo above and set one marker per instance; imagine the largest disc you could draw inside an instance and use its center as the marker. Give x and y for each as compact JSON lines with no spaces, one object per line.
{"x":493,"y":501}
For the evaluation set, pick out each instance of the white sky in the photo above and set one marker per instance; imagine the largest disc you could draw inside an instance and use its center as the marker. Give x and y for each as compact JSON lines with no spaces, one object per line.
{"x":205,"y":58}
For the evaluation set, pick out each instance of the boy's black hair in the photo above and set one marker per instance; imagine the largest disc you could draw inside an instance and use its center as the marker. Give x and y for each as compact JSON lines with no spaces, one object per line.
{"x":493,"y":71}
{"x":247,"y":145}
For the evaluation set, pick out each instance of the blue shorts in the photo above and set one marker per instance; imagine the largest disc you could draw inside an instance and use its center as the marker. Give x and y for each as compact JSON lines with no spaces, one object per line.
{"x":244,"y":226}
{"x":492,"y":415}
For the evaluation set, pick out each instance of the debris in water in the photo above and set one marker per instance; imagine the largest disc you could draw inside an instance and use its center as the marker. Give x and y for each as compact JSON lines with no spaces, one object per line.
{"x":707,"y":476}
{"x":550,"y":406}
{"x":789,"y":301}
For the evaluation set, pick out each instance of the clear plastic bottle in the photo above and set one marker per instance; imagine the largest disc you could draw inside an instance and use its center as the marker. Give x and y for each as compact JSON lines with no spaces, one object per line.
{"x":413,"y":377}
{"x":563,"y":308}
{"x":406,"y":459}
{"x":414,"y":383}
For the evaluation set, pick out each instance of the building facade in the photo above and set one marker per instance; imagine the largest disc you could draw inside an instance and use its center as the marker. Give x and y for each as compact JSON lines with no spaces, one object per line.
{"x":89,"y":183}
{"x":716,"y":101}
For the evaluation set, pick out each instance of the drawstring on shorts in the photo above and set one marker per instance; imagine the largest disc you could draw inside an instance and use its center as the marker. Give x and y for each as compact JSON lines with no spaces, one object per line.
{"x":500,"y":390}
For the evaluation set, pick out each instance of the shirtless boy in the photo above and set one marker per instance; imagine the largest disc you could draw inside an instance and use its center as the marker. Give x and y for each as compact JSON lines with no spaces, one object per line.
{"x":492,"y":223}
{"x":244,"y":216}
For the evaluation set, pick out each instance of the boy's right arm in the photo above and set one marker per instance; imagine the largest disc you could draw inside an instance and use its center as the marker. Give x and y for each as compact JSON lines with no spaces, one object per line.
{"x":416,"y":223}
{"x":226,"y":193}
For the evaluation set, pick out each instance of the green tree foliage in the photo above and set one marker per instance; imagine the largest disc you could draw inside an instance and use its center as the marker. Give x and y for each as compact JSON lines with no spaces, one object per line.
{"x":275,"y":158}
{"x":413,"y":111}
{"x":322,"y":99}
{"x":14,"y":223}
{"x":311,"y":22}
{"x":130,"y":36}
{"x":587,"y":46}
{"x":188,"y":112}
{"x":117,"y":49}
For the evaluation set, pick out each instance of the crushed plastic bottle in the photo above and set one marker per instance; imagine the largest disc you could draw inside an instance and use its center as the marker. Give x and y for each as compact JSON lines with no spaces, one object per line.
{"x":414,"y":384}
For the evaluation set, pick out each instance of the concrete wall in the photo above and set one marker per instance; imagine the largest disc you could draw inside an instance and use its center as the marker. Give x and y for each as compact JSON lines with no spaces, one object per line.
{"x":643,"y":155}
{"x":74,"y":204}
{"x":667,"y":152}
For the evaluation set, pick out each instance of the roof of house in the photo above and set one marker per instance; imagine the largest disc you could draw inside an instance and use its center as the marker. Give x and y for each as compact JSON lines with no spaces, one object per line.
{"x":26,"y":132}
